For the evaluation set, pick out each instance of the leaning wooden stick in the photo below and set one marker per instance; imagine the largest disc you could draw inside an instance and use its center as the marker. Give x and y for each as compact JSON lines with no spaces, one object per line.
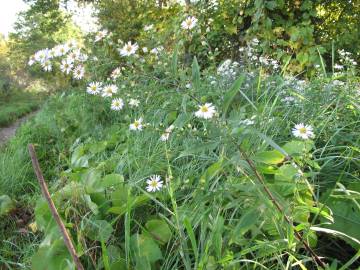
{"x":53,"y":210}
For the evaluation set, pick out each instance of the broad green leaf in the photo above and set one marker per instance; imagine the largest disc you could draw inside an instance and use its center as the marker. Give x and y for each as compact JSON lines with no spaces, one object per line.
{"x":6,"y":205}
{"x":120,"y":200}
{"x":111,"y":180}
{"x":54,"y":256}
{"x":230,"y":95}
{"x":159,"y":230}
{"x":297,"y":147}
{"x":145,"y":250}
{"x":91,"y":180}
{"x":97,"y":147}
{"x":92,"y":206}
{"x":79,"y":159}
{"x":43,"y":217}
{"x":98,"y":230}
{"x":266,"y":169}
{"x":269,"y":157}
{"x":246,"y":222}
{"x":119,"y":265}
{"x":119,"y":197}
{"x":346,"y":219}
{"x":286,"y":173}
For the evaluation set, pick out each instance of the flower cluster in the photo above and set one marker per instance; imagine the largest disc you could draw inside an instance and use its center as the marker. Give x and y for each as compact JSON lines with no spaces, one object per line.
{"x":346,"y":60}
{"x":253,"y":53}
{"x":69,"y":55}
{"x":228,"y":69}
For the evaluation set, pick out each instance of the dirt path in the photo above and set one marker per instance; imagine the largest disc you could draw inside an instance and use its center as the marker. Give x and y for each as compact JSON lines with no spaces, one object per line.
{"x":7,"y":132}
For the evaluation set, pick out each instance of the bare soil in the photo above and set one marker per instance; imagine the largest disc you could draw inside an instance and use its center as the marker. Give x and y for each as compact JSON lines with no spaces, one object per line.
{"x":6,"y":133}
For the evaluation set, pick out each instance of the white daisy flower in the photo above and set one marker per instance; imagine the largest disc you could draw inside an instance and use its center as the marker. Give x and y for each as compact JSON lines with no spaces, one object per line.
{"x":189,"y":23}
{"x":47,"y":66}
{"x":41,"y":56}
{"x":72,"y":44}
{"x":155,"y":51}
{"x":61,"y":50}
{"x":66,"y":66}
{"x":72,"y":57}
{"x":303,"y":131}
{"x":165,"y":136}
{"x":205,"y":111}
{"x":129,"y":49}
{"x":52,"y":53}
{"x":31,"y":60}
{"x":134,"y":102}
{"x":83,"y":57}
{"x":137,"y":125}
{"x":109,"y":90}
{"x":154,"y":183}
{"x":100,"y":35}
{"x":169,"y":129}
{"x":94,"y":88}
{"x":117,"y":104}
{"x":79,"y":72}
{"x":247,"y":122}
{"x":338,"y":67}
{"x":116,"y":73}
{"x":145,"y":49}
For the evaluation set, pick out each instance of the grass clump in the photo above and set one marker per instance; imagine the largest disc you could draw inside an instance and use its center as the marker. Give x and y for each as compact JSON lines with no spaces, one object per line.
{"x":210,"y":211}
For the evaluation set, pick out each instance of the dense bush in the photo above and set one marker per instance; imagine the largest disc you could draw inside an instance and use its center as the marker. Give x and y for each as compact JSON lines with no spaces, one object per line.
{"x":297,"y":29}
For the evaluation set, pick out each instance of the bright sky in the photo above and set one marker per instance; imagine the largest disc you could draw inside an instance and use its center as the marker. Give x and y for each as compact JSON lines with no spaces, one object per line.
{"x":9,"y":8}
{"x":8,"y":11}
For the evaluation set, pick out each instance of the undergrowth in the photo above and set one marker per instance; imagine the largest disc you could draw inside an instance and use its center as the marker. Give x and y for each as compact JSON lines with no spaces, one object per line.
{"x":15,"y":105}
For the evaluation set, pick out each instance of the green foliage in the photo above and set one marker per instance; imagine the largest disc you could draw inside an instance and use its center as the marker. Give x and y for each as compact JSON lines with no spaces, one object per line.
{"x":100,"y":192}
{"x":6,"y":205}
{"x":17,"y":104}
{"x":213,"y":210}
{"x":287,"y":29}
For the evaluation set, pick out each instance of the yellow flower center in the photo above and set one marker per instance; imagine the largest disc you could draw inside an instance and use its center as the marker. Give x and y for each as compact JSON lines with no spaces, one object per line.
{"x":128,"y":48}
{"x":153,"y":184}
{"x":204,"y":109}
{"x":136,"y":124}
{"x":302,"y":130}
